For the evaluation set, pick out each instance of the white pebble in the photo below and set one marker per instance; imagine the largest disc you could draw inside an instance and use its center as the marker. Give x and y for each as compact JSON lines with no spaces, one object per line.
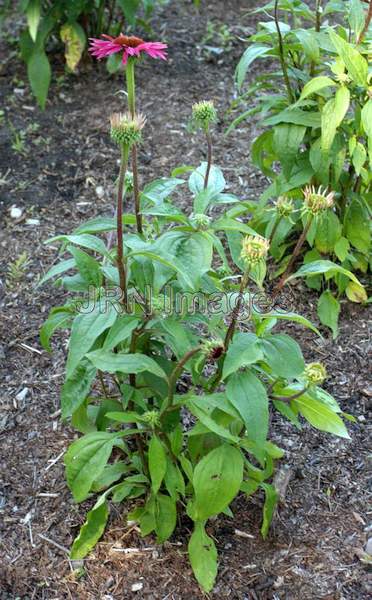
{"x":22,"y":395}
{"x":15,"y":212}
{"x":137,"y":587}
{"x":100,"y":191}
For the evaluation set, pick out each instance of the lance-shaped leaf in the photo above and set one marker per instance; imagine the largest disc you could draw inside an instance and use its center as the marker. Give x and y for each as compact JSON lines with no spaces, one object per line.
{"x":203,"y":557}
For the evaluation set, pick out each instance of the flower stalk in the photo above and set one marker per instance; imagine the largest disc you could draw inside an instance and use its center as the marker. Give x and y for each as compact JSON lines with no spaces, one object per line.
{"x":295,"y":253}
{"x":131,"y":90}
{"x":119,"y":225}
{"x":366,"y":24}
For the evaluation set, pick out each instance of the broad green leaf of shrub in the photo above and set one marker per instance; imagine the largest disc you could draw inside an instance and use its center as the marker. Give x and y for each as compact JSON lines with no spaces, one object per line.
{"x":217,"y":479}
{"x":59,"y":318}
{"x":321,"y":417}
{"x":243,"y":351}
{"x":86,"y":328}
{"x":367,"y":126}
{"x":283,"y":355}
{"x":315,"y":85}
{"x":91,"y":531}
{"x":318,"y":267}
{"x":357,"y":227}
{"x":271,"y":500}
{"x":33,"y":14}
{"x":247,"y":394}
{"x":249,"y":56}
{"x":355,"y":63}
{"x":39,"y":75}
{"x":287,"y":140}
{"x":88,"y":267}
{"x":125,"y":363}
{"x":85,"y":460}
{"x":165,"y":517}
{"x":76,"y":389}
{"x":157,"y":463}
{"x":203,"y":557}
{"x":328,"y":311}
{"x":333,"y":114}
{"x":74,"y":38}
{"x":328,"y":232}
{"x":356,"y":292}
{"x":129,"y":8}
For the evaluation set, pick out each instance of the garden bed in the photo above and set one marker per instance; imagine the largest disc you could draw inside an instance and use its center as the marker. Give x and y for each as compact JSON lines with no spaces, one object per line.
{"x":65,"y":173}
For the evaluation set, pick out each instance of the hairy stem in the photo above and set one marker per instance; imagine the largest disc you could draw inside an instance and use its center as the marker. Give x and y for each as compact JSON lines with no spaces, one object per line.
{"x":366,"y":24}
{"x":237,"y":308}
{"x":119,"y":227}
{"x":281,"y":53}
{"x":209,"y":163}
{"x":275,"y":228}
{"x":131,"y":90}
{"x":289,"y":398}
{"x":172,"y":379}
{"x":318,"y":15}
{"x":295,"y":253}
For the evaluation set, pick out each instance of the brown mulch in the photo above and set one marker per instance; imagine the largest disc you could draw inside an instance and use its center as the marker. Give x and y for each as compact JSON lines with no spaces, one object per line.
{"x":66,"y":175}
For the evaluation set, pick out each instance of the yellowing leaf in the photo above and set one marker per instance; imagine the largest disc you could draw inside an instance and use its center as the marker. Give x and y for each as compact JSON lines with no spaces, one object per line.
{"x":356,"y":292}
{"x":73,"y":36}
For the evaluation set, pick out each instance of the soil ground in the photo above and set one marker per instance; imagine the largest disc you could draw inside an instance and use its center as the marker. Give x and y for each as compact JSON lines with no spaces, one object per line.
{"x":65,"y":174}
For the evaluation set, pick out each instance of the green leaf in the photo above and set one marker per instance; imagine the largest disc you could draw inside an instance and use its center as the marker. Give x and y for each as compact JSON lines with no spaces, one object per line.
{"x":91,"y":531}
{"x":357,"y":227}
{"x":76,"y":389}
{"x":39,"y":75}
{"x":203,"y":413}
{"x":88,"y":267}
{"x":366,"y":117}
{"x":309,"y":43}
{"x":203,"y":557}
{"x":356,"y":65}
{"x":243,"y":351}
{"x":217,"y":479}
{"x":33,"y":14}
{"x":216,"y":180}
{"x":328,"y":231}
{"x":287,"y":140}
{"x":59,"y":318}
{"x":295,"y":116}
{"x":85,"y":460}
{"x":120,"y":331}
{"x":74,"y":38}
{"x":86,"y":328}
{"x":157,"y":463}
{"x":333,"y":114}
{"x":86,"y":240}
{"x":247,"y":394}
{"x":250,"y":55}
{"x":315,"y":85}
{"x":58,"y":269}
{"x":283,"y":355}
{"x":271,"y":499}
{"x":165,"y":517}
{"x":342,"y":248}
{"x":321,"y":417}
{"x":129,"y":8}
{"x":328,"y":311}
{"x":356,"y":292}
{"x":318,"y":267}
{"x":125,"y":363}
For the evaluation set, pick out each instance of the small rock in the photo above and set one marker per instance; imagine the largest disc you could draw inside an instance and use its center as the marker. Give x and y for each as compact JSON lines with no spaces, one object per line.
{"x":15,"y":212}
{"x":32,"y":222}
{"x":361,"y":419}
{"x":22,"y":395}
{"x":137,"y":587}
{"x":100,"y":191}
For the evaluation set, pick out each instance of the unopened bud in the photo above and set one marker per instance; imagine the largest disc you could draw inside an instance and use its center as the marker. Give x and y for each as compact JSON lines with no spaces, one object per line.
{"x":254,"y":249}
{"x":204,"y":113}
{"x":315,"y":373}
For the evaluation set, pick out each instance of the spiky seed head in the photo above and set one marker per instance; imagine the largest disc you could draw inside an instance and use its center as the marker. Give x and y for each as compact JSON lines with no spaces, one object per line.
{"x":204,"y":114}
{"x":318,"y":200}
{"x":284,"y":206}
{"x":315,"y":373}
{"x":201,"y":221}
{"x":212,"y":349}
{"x":343,"y":78}
{"x":254,"y":249}
{"x":126,"y":129}
{"x":152,"y":418}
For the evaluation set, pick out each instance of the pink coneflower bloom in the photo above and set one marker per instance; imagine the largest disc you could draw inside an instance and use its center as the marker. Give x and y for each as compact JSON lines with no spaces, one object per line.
{"x":128,"y":45}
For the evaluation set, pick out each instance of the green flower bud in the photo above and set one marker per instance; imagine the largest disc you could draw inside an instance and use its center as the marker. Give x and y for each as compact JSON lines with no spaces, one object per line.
{"x":152,"y":418}
{"x":315,"y":373}
{"x":204,"y":114}
{"x":201,"y":221}
{"x":284,"y":206}
{"x":125,"y":129}
{"x":317,"y":201}
{"x":254,"y":249}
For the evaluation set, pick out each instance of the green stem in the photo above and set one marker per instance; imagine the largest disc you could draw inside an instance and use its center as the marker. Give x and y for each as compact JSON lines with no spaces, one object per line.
{"x":131,"y":91}
{"x":275,"y":228}
{"x":296,"y":252}
{"x":366,"y":24}
{"x":281,"y":53}
{"x":289,"y":398}
{"x":172,"y":380}
{"x":209,"y":163}
{"x":119,"y":226}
